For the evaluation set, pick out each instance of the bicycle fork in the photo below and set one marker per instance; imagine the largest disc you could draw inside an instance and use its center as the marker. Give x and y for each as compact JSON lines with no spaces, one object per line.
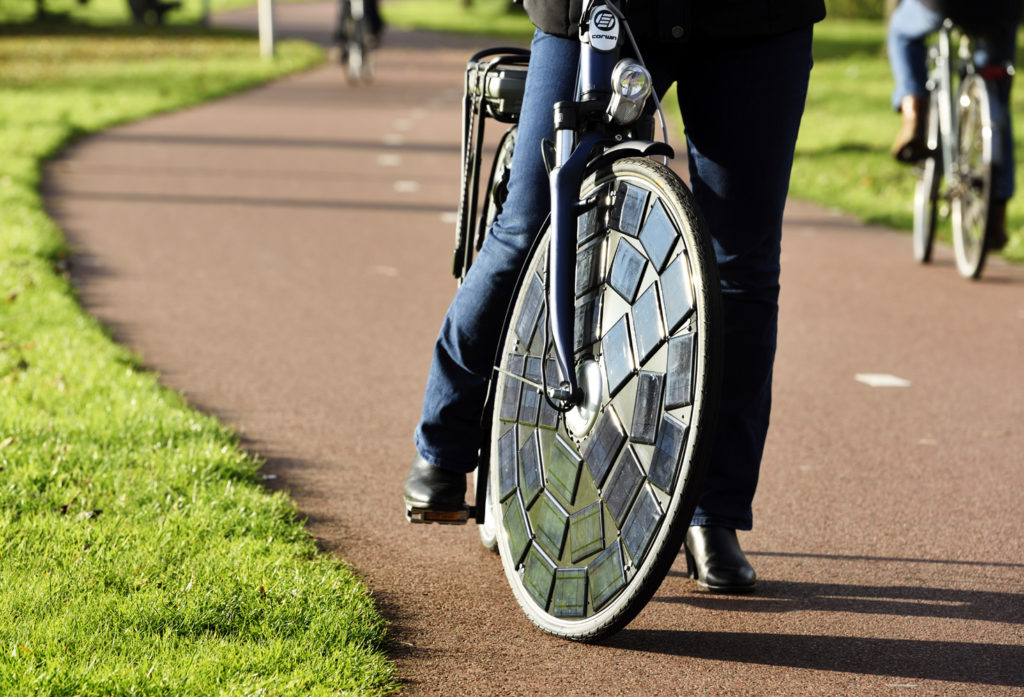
{"x":623,"y":87}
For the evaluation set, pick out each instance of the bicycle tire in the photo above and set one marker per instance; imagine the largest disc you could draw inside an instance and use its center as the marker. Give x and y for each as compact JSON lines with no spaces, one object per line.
{"x":343,"y":34}
{"x":594,"y":505}
{"x":926,"y":190}
{"x":356,"y":56}
{"x":488,"y":528}
{"x":497,"y":191}
{"x":497,"y":183}
{"x":369,"y":65}
{"x":971,"y":188}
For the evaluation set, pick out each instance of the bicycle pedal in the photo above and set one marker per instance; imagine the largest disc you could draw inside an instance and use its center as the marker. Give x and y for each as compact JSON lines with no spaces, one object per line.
{"x":417,"y":514}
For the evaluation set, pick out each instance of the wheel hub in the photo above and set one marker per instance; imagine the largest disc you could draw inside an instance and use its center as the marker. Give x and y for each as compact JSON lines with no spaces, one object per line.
{"x":580,"y":419}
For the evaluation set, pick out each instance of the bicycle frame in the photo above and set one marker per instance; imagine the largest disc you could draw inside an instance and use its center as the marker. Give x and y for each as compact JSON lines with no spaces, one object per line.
{"x":941,"y":84}
{"x":574,"y":158}
{"x":585,"y":140}
{"x":966,"y":127}
{"x":942,"y":79}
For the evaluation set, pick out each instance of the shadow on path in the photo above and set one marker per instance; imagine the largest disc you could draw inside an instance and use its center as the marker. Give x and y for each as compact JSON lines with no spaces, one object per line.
{"x":279,"y":142}
{"x":188,"y":199}
{"x":952,"y":661}
{"x":900,"y":601}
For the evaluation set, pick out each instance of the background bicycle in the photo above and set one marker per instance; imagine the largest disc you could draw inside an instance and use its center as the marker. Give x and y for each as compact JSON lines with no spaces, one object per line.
{"x":358,"y":36}
{"x":964,"y":152}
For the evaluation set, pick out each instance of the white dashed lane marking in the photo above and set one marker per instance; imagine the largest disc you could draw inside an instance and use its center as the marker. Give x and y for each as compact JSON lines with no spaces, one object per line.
{"x":881,"y":380}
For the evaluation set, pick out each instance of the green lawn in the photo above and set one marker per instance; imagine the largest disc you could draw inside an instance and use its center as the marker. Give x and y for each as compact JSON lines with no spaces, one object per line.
{"x":484,"y":17}
{"x":842,"y":157}
{"x":139,"y":553}
{"x":111,"y":13}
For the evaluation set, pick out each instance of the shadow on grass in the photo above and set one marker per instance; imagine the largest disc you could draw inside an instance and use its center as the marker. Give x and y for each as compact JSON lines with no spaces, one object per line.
{"x":832,"y":46}
{"x":845,"y":148}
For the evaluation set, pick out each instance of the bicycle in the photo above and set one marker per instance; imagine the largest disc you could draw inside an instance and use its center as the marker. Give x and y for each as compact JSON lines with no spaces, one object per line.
{"x":962,"y":149}
{"x":605,"y":388}
{"x":356,"y":42}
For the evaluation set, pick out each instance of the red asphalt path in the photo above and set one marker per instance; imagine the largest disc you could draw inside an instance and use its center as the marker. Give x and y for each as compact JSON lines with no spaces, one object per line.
{"x":281,"y":258}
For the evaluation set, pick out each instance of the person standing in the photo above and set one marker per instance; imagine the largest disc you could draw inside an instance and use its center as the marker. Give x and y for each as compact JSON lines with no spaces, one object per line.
{"x":742,"y":70}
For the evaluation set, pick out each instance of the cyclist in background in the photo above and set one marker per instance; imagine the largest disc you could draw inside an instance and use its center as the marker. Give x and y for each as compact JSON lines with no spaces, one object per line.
{"x":371,"y":13}
{"x":993,"y":25}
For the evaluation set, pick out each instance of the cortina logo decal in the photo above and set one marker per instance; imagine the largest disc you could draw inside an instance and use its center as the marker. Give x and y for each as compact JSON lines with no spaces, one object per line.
{"x":603,"y":30}
{"x":604,"y":20}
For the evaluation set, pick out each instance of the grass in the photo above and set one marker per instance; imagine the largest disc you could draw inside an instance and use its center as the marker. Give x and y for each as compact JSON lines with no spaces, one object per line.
{"x":485,"y":17}
{"x":104,"y":13}
{"x":842,"y":156}
{"x":138,"y":552}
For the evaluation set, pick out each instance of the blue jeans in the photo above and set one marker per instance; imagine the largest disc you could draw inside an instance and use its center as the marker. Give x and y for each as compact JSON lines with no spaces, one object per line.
{"x":909,"y":25}
{"x":740,"y":144}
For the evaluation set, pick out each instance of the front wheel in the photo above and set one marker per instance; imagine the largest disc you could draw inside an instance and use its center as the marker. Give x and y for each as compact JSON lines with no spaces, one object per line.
{"x":591,"y":506}
{"x":971,"y":185}
{"x":356,"y":52}
{"x":488,"y":528}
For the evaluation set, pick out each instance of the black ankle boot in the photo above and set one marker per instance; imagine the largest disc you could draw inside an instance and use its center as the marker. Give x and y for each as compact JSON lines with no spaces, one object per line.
{"x":434,"y":495}
{"x":995,"y":230}
{"x":911,"y":143}
{"x":714,"y":558}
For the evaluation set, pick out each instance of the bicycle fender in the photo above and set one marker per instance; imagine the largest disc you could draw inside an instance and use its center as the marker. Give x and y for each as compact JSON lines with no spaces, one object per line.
{"x":630,"y":148}
{"x":565,"y":184}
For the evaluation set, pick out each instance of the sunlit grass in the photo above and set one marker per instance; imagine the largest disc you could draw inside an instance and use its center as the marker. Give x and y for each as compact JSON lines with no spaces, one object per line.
{"x":105,"y":12}
{"x":494,"y":18}
{"x":138,"y":552}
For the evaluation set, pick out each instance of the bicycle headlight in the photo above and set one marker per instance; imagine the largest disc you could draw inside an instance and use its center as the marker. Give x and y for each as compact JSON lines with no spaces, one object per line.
{"x":631,"y":86}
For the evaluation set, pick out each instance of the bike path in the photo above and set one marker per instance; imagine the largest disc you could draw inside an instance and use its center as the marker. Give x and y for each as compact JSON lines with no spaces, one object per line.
{"x":281,"y":258}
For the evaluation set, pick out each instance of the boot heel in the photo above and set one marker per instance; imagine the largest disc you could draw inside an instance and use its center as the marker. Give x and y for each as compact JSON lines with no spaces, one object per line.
{"x":691,"y":563}
{"x":723,"y":568}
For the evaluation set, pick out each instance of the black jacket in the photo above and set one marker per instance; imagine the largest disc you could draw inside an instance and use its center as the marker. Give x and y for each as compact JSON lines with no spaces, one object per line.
{"x":970,"y":12}
{"x":677,"y":20}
